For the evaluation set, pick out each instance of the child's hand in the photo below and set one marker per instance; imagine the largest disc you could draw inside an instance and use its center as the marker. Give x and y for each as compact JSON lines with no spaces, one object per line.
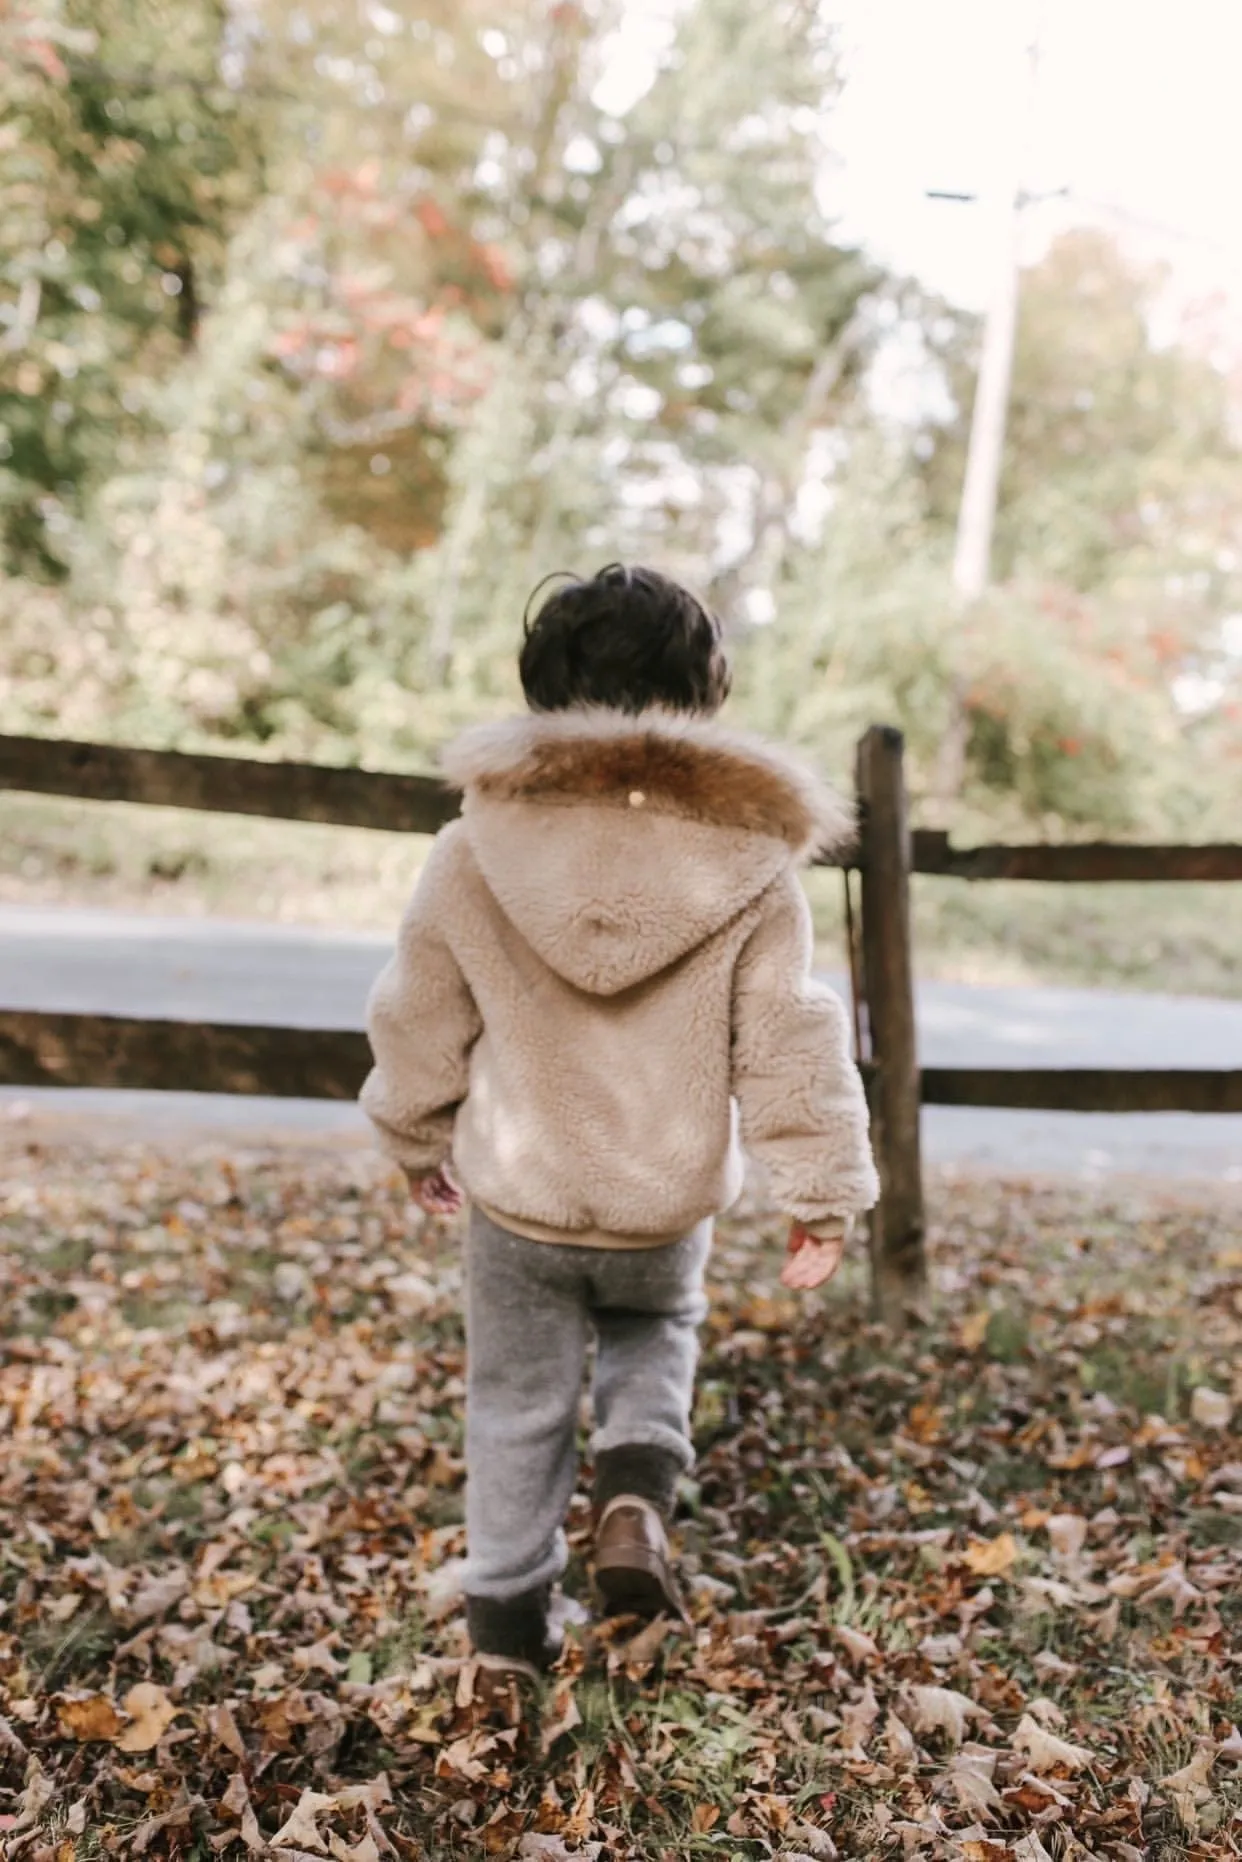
{"x":436,"y":1194}
{"x":812,"y":1260}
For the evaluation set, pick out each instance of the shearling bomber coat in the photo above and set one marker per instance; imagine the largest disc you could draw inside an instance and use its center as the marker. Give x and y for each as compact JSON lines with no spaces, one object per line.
{"x":601,"y":987}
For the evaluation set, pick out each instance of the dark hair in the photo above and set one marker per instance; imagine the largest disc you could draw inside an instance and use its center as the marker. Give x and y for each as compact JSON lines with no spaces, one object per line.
{"x":625,"y":638}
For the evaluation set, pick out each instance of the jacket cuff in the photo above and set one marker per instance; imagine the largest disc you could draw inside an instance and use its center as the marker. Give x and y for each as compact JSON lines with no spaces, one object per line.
{"x":417,"y":1158}
{"x":830,"y":1227}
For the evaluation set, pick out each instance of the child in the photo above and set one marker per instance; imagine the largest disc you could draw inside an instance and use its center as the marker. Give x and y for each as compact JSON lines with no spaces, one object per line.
{"x":600,"y":986}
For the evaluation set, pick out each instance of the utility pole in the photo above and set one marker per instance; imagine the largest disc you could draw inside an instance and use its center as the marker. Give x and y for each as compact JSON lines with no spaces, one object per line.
{"x":976,"y":517}
{"x":972,"y":554}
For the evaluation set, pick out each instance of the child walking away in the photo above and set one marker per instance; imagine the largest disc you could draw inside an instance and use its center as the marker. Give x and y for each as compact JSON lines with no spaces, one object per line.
{"x":600,"y":987}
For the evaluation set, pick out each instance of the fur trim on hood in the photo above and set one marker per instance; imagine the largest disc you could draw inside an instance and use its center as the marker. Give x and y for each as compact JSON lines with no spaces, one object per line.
{"x":669,"y":762}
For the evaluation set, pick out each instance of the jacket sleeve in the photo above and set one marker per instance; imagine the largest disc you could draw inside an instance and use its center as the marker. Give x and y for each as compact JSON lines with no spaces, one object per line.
{"x":802,"y":1111}
{"x":422,"y":1023}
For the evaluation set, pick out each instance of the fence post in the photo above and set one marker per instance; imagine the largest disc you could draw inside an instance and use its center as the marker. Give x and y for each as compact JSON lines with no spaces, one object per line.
{"x":898,"y":1262}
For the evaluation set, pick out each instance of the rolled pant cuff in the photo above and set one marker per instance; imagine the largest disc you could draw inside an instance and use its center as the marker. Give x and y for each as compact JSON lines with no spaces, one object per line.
{"x":501,"y":1587}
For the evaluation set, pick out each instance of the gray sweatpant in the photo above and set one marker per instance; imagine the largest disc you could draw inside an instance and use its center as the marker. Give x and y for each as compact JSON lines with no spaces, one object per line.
{"x":531,"y":1308}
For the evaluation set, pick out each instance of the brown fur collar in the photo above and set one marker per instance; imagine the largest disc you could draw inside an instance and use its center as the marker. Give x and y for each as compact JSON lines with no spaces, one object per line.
{"x":676,"y":764}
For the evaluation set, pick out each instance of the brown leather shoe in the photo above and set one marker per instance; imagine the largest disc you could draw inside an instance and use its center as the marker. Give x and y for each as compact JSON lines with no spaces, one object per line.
{"x":633,"y":1566}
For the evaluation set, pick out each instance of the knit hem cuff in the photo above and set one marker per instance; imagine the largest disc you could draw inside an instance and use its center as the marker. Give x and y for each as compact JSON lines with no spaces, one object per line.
{"x":514,"y":1584}
{"x":655,"y":1436}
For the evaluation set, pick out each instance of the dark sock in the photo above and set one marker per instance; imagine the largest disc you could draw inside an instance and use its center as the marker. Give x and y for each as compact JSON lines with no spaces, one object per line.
{"x":639,"y":1469}
{"x":515,"y":1628}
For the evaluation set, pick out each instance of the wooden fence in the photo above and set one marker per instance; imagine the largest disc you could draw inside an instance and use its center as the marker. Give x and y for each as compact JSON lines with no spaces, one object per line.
{"x":38,"y":1049}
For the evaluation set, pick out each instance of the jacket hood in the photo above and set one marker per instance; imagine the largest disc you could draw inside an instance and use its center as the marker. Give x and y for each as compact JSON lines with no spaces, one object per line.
{"x":615,"y":843}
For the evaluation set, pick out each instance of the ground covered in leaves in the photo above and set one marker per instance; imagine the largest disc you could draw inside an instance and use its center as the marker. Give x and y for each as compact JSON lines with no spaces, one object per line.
{"x":973,"y":1595}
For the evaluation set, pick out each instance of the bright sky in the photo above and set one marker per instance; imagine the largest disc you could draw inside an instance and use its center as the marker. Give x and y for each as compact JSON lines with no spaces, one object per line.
{"x":1136,"y":106}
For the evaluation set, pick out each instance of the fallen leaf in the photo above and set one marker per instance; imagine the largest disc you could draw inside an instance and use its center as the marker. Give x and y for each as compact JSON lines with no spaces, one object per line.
{"x":537,"y":1847}
{"x":38,"y":1794}
{"x":941,"y":1651}
{"x":899,"y":1739}
{"x":300,"y":1830}
{"x":858,"y":1718}
{"x":641,"y":1650}
{"x":318,"y":1657}
{"x":224,"y":1730}
{"x":178,"y":1818}
{"x":151,"y":1714}
{"x":382,"y":1844}
{"x":10,"y":1743}
{"x":1030,"y":1849}
{"x":1173,"y":1586}
{"x":941,"y":1710}
{"x":88,"y":1716}
{"x":858,"y":1645}
{"x":990,"y":1558}
{"x":819,"y":1845}
{"x":1186,"y":1810}
{"x":1211,"y":1409}
{"x":1068,"y":1533}
{"x":1044,"y":1751}
{"x":1051,"y":1667}
{"x":974,"y":1329}
{"x":466,"y":1757}
{"x":236,"y":1804}
{"x":703,"y":1818}
{"x":969,"y":1778}
{"x":1193,"y":1776}
{"x":374,"y":1794}
{"x":561,"y":1716}
{"x":364,"y":1850}
{"x":155,"y":1597}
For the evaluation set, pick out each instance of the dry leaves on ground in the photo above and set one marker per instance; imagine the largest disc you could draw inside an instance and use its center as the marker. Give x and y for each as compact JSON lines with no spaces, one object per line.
{"x":975,"y":1594}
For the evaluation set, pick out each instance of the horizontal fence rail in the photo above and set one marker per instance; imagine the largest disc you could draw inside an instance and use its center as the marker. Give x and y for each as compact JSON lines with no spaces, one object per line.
{"x":125,"y":1053}
{"x":1086,"y":1089}
{"x":409,"y":804}
{"x":122,"y":1052}
{"x":226,"y":785}
{"x":1077,"y":863}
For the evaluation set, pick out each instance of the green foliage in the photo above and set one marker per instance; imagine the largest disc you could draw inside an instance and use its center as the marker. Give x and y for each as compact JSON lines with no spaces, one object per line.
{"x":118,"y":177}
{"x":303,"y":385}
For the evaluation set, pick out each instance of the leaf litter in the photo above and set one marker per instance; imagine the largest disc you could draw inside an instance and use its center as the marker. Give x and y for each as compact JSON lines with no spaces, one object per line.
{"x":971,"y":1594}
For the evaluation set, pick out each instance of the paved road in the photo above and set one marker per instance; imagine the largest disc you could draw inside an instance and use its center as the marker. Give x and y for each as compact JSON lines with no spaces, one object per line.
{"x":216,"y":970}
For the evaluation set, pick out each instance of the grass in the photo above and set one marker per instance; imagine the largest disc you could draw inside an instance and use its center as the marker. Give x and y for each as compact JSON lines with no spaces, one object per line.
{"x":276,"y":1462}
{"x":1178,"y":939}
{"x":126,"y":858}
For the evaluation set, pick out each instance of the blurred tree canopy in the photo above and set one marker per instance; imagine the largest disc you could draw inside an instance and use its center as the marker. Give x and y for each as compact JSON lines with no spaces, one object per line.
{"x":325,"y":332}
{"x":119,"y":180}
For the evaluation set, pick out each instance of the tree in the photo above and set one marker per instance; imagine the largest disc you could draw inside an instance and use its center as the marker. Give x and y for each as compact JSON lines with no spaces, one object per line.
{"x":120,"y":174}
{"x":1123,"y":465}
{"x":682,"y":327}
{"x":1119,"y":553}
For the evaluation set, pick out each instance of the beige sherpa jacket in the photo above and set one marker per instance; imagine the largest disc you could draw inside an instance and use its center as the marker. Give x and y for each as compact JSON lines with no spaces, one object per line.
{"x":602,"y":983}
